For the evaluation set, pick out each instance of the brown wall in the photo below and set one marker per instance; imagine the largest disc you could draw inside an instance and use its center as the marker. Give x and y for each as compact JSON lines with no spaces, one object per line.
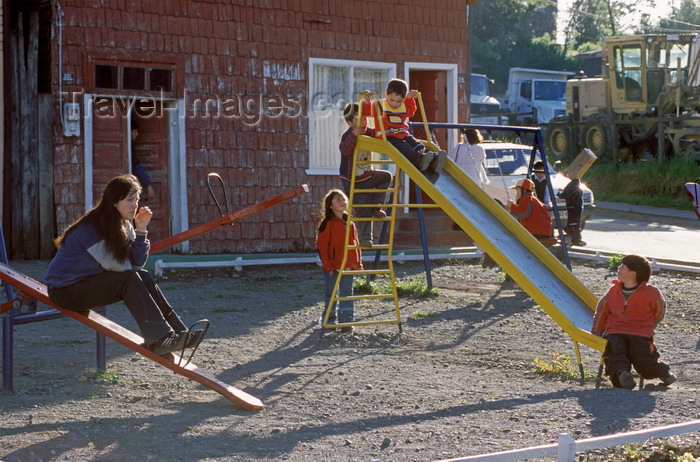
{"x":225,"y":50}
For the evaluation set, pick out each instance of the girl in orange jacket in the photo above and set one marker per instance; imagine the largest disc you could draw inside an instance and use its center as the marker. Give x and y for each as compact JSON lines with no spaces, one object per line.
{"x":330,"y":242}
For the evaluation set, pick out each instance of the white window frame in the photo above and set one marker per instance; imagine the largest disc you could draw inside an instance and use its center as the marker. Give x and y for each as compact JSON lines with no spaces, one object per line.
{"x":336,"y":103}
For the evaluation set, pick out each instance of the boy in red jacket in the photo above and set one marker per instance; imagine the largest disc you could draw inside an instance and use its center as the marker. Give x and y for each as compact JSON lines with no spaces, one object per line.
{"x":626,"y":317}
{"x":396,"y":111}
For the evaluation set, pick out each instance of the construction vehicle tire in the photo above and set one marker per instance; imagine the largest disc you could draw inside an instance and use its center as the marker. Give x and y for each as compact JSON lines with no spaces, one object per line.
{"x":557,"y":138}
{"x":595,"y":137}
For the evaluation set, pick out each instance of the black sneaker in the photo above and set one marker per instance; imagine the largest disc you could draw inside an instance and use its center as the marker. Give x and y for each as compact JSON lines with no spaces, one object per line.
{"x":169,"y":343}
{"x":425,"y":160}
{"x":669,"y":379}
{"x":346,"y":330}
{"x":439,"y":161}
{"x":626,"y":380}
{"x":196,"y":332}
{"x":194,"y":338}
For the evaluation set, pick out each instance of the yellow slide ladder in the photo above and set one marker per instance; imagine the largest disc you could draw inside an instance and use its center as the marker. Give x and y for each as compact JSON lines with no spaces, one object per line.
{"x":391,"y":219}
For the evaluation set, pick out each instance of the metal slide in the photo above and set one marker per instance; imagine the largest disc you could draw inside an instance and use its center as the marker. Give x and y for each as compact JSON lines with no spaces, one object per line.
{"x":534,"y":268}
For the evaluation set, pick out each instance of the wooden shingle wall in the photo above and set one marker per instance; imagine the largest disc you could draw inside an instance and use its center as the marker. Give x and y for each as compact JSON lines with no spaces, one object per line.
{"x":255,"y":50}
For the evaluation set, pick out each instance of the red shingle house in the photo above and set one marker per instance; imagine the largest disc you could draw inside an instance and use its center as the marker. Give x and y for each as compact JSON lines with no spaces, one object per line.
{"x":250,"y":90}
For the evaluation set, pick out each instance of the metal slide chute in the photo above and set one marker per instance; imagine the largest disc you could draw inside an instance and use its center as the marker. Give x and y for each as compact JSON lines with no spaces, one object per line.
{"x":556,"y":290}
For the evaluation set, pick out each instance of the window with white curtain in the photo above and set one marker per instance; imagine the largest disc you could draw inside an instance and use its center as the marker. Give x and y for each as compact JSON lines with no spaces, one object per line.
{"x":332,"y":84}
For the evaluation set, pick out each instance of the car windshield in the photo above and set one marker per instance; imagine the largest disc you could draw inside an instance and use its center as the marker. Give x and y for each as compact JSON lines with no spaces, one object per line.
{"x":509,"y":161}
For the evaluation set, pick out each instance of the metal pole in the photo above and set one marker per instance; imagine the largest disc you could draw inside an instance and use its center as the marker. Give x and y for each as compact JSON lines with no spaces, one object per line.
{"x":424,"y":240}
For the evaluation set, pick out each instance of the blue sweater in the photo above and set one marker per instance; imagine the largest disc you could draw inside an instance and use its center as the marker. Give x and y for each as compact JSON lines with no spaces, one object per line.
{"x":84,"y":254}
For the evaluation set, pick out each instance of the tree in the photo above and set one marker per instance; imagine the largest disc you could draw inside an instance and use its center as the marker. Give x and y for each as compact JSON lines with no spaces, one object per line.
{"x":591,"y":19}
{"x":503,"y":37}
{"x":685,"y":17}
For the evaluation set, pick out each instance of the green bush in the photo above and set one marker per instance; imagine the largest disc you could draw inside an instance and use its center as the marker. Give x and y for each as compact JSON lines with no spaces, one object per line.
{"x":651,"y":182}
{"x":615,"y":261}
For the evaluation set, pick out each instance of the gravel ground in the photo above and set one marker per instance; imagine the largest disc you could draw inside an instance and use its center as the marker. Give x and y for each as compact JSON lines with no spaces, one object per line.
{"x":458,"y":380}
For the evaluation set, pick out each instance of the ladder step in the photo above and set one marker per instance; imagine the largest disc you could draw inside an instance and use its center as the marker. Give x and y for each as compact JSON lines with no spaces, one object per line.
{"x":376,"y":162}
{"x":356,"y":272}
{"x":362,"y":297}
{"x":371,"y":219}
{"x":374,"y":247}
{"x":372,"y":191}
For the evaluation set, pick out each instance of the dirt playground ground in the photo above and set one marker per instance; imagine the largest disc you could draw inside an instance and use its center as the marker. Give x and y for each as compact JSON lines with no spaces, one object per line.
{"x":458,"y":381}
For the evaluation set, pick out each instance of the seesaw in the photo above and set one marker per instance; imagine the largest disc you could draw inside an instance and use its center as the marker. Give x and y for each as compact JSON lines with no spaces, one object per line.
{"x":30,"y":289}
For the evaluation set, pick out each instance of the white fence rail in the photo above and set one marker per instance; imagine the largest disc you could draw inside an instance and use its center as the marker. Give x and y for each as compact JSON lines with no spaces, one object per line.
{"x":239,"y":262}
{"x":565,"y":450}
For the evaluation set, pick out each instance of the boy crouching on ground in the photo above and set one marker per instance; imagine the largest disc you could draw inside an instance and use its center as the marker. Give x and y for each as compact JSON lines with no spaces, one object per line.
{"x":626,"y":317}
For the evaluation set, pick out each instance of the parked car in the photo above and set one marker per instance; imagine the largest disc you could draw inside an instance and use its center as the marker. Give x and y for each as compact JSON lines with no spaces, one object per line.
{"x":506,"y":163}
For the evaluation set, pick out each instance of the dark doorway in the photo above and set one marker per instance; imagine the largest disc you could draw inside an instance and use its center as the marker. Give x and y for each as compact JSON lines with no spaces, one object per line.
{"x":432,"y":86}
{"x":111,"y":156}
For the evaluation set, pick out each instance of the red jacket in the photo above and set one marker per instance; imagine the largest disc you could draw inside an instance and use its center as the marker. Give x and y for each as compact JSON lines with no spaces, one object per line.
{"x":330,"y":244}
{"x":396,"y":121}
{"x":638,"y":315}
{"x":533,"y":215}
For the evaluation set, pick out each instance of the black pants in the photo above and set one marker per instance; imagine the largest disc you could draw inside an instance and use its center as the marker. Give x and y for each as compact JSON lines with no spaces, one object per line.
{"x":624,"y":351}
{"x":573,"y":223}
{"x":136,"y":288}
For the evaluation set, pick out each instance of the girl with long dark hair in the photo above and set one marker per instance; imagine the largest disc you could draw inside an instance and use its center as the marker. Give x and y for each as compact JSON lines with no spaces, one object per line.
{"x":99,"y":262}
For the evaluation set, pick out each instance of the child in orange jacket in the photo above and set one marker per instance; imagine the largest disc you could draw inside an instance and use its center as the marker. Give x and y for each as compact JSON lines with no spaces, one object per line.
{"x":626,"y":317}
{"x":530,"y":212}
{"x":330,"y":242}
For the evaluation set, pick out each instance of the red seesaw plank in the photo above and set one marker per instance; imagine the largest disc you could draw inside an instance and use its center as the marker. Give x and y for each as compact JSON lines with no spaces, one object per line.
{"x":124,"y":336}
{"x":228,"y":219}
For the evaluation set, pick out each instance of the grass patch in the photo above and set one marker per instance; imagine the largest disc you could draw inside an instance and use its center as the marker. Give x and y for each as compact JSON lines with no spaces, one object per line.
{"x":654,"y":183}
{"x":422,"y":314}
{"x":661,"y":451}
{"x":111,"y":375}
{"x":416,"y":288}
{"x":559,"y":365}
{"x":228,"y":309}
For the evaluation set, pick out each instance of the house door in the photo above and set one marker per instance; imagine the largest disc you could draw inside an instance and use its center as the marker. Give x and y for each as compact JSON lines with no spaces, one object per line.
{"x":432,"y":86}
{"x":111,"y":157}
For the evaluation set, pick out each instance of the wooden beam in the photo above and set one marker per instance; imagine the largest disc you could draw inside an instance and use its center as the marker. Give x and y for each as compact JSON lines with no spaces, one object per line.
{"x":46,"y":201}
{"x":29,"y":146}
{"x":129,"y":339}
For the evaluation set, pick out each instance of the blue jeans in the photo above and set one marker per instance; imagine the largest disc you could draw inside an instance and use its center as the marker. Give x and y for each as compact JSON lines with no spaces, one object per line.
{"x":411,"y":148}
{"x":345,"y":307}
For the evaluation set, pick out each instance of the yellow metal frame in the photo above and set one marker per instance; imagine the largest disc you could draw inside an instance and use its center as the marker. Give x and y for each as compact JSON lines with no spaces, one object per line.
{"x":538,"y":294}
{"x":391,"y":219}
